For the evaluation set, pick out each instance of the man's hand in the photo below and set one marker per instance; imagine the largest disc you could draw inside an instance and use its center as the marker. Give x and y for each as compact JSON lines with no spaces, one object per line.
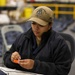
{"x":26,"y":63}
{"x":15,"y":56}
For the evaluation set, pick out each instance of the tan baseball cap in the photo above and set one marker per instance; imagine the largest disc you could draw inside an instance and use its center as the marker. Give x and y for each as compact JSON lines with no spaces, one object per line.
{"x":42,"y":15}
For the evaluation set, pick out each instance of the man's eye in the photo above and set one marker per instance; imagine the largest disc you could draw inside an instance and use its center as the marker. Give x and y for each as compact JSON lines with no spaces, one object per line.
{"x":34,"y":23}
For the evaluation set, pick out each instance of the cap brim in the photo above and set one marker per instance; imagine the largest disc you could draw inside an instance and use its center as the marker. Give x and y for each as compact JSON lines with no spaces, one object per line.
{"x":39,"y":21}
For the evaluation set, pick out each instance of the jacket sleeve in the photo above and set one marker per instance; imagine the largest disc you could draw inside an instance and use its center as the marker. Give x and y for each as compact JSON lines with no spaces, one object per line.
{"x":60,"y":64}
{"x":7,"y":56}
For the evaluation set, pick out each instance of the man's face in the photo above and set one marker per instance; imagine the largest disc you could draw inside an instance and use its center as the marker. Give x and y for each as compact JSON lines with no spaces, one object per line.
{"x":38,"y":30}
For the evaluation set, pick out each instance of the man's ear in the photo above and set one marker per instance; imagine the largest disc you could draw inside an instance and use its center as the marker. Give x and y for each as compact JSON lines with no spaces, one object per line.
{"x":50,"y":25}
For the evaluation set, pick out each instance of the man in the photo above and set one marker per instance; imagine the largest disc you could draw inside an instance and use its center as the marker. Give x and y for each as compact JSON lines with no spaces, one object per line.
{"x":40,"y":49}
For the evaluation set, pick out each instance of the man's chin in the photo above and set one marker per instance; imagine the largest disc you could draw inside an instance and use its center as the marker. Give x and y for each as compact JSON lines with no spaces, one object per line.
{"x":37,"y":35}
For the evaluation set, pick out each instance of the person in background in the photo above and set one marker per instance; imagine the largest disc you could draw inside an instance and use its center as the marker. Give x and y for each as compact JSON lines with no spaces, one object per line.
{"x":19,"y":15}
{"x":40,"y":50}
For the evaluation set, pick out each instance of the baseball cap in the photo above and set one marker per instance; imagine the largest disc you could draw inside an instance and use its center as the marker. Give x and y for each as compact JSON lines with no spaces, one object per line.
{"x":42,"y":15}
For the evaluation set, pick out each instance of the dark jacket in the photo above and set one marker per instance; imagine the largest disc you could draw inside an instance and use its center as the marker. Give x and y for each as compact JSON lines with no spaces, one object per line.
{"x":52,"y":56}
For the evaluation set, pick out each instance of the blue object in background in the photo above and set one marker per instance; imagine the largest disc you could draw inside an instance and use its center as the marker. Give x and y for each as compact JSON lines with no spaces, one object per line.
{"x":26,"y":26}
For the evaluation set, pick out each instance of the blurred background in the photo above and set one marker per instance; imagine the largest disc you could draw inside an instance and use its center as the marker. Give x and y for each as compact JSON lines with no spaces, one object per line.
{"x":17,"y":12}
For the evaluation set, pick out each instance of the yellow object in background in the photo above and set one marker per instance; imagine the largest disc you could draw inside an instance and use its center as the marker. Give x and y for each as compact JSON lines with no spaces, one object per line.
{"x":27,"y":12}
{"x":2,"y":2}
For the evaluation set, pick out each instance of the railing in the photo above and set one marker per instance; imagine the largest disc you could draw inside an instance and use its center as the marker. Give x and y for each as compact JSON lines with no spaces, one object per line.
{"x":57,"y":6}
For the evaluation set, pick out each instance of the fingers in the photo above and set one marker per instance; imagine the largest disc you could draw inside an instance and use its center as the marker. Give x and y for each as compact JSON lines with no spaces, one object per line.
{"x":15,"y":56}
{"x":27,"y":63}
{"x":24,"y":64}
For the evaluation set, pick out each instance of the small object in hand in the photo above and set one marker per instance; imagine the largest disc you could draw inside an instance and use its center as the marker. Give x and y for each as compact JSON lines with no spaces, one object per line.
{"x":16,"y":61}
